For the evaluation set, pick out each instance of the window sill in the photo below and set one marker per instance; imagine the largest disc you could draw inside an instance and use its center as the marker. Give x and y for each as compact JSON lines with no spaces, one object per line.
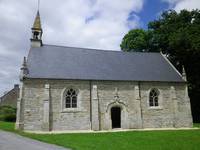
{"x":71,"y":110}
{"x":155,"y":108}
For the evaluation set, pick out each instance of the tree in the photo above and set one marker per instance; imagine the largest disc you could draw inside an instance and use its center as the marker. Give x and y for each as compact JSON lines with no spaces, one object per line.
{"x":178,"y":36}
{"x":135,"y":40}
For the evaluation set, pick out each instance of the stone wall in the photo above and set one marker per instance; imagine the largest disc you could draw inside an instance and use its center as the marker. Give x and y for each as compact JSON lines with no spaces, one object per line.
{"x":10,"y":98}
{"x":72,"y":119}
{"x":174,"y":106}
{"x":95,"y":100}
{"x":118,"y":94}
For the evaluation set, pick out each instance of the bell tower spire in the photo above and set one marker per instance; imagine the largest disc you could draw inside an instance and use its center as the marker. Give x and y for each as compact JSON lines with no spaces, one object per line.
{"x":36,"y":39}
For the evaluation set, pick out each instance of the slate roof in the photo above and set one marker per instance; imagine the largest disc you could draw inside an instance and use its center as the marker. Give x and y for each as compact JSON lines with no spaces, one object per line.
{"x":57,"y":62}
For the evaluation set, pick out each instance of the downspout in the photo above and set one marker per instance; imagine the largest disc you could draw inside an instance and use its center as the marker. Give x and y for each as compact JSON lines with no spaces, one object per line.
{"x":140,"y":103}
{"x":90,"y":105}
{"x":99,"y":111}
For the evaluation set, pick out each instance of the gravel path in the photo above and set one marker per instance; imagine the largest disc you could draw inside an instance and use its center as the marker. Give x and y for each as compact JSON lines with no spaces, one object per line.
{"x":11,"y":141}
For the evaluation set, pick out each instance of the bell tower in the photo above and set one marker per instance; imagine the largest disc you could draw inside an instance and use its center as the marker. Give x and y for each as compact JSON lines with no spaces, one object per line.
{"x":36,"y":39}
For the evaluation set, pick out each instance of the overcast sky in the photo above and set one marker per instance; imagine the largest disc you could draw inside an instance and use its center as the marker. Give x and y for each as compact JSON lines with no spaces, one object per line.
{"x":97,"y":24}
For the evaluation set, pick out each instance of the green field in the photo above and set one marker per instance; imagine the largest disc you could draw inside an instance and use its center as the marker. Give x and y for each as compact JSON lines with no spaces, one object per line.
{"x":132,"y":140}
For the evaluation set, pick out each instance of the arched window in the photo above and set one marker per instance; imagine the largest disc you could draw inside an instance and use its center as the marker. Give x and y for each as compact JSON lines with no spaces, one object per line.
{"x":71,"y":99}
{"x":153,"y":98}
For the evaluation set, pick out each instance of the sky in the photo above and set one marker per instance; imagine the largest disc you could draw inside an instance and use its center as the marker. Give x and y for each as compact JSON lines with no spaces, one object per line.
{"x":99,"y":24}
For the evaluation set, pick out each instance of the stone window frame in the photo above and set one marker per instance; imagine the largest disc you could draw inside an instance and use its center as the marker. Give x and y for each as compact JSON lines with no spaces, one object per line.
{"x":63,"y":96}
{"x":160,"y":99}
{"x":71,"y":98}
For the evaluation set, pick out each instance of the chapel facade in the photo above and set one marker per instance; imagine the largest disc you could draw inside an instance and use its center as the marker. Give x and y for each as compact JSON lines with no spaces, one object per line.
{"x":67,"y":88}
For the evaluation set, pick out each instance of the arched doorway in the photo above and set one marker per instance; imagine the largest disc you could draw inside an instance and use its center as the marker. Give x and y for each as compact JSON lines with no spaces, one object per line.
{"x":116,"y":117}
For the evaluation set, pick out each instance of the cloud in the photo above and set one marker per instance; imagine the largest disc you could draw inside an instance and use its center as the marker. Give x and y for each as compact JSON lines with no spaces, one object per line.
{"x":98,"y":24}
{"x":184,"y":4}
{"x":82,"y":23}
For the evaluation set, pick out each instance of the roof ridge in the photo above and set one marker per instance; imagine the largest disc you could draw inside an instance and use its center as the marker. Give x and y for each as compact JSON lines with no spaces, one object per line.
{"x":84,"y":48}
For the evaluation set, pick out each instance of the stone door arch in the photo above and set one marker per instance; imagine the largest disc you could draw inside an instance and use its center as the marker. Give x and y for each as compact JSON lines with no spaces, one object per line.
{"x":124,"y":124}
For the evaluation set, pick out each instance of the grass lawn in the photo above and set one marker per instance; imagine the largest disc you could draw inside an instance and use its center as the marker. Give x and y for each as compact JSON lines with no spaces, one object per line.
{"x":132,"y":140}
{"x":196,"y":125}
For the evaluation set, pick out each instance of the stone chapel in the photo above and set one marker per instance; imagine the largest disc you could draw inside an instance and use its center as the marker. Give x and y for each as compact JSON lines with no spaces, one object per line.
{"x":68,"y":88}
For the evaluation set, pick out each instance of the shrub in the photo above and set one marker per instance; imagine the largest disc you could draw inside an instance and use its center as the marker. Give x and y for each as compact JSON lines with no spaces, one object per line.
{"x":7,"y":113}
{"x":10,"y":118}
{"x":7,"y":110}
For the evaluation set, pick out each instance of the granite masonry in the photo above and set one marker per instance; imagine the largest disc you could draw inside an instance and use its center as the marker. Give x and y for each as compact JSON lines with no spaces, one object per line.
{"x":66,"y":88}
{"x":10,"y":98}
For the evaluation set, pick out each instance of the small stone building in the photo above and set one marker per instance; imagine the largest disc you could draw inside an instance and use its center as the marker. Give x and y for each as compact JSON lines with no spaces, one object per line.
{"x":67,"y":88}
{"x":10,"y":98}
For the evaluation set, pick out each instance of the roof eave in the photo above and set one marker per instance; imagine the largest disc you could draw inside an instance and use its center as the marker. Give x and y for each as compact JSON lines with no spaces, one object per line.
{"x":120,"y":80}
